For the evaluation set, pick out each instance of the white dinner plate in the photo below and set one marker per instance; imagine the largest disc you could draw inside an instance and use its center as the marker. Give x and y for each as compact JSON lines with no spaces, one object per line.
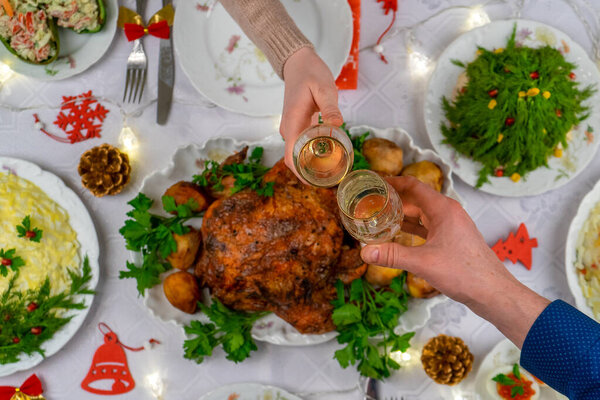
{"x":82,"y":224}
{"x":581,"y":149}
{"x":589,"y":201}
{"x":187,"y":162}
{"x":249,"y":391}
{"x":225,"y":66}
{"x":505,"y":353}
{"x":78,"y":51}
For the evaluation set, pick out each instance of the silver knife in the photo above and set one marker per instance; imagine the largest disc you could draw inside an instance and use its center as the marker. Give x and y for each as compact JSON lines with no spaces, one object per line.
{"x":166,"y":77}
{"x":371,"y":392}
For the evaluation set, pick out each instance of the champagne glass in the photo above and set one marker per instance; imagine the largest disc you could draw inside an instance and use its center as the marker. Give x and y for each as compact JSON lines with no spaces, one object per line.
{"x":370,"y":208}
{"x":323,"y":155}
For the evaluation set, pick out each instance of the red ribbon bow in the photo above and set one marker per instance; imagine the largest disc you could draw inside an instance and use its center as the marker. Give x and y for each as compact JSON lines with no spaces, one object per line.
{"x":31,"y":387}
{"x":159,"y":29}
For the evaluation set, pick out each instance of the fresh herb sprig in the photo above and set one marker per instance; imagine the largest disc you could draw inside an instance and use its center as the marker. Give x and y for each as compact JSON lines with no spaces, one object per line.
{"x":152,"y":236}
{"x":31,"y":318}
{"x":9,"y":259}
{"x":229,"y":329}
{"x":516,"y":110}
{"x":365,"y":318}
{"x":247,"y":175}
{"x":25,"y":230}
{"x":358,"y":141}
{"x":517,"y":387}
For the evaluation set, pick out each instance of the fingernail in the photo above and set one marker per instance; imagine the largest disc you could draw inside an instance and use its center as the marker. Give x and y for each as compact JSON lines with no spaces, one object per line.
{"x":370,"y":254}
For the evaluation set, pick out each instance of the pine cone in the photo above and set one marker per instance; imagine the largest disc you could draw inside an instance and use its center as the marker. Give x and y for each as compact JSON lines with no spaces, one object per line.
{"x":447,"y":360}
{"x":104,"y":170}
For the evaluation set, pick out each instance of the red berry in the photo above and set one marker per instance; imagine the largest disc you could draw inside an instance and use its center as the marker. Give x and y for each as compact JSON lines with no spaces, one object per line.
{"x":32,"y":306}
{"x":499,"y":173}
{"x":558,"y":113}
{"x":572,"y":75}
{"x":16,"y":340}
{"x":7,"y":317}
{"x":509,"y":121}
{"x":29,"y":234}
{"x":534,"y":75}
{"x":36,"y":330}
{"x":463,"y":89}
{"x":507,"y":70}
{"x":493,"y":92}
{"x":6,"y":262}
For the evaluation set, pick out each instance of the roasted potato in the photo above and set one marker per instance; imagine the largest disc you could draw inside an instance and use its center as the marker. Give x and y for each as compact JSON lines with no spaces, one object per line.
{"x":183,"y":191}
{"x":427,"y":172}
{"x":182,"y":291}
{"x":236,"y":158}
{"x":384,"y":156}
{"x":420,"y":288}
{"x":227,"y":182}
{"x":187,"y":249}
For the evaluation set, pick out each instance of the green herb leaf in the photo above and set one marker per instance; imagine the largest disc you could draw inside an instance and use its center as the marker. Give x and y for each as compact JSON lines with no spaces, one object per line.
{"x":25,"y":230}
{"x":517,"y":390}
{"x":8,"y":259}
{"x":503,"y":380}
{"x":516,"y":371}
{"x":360,"y":162}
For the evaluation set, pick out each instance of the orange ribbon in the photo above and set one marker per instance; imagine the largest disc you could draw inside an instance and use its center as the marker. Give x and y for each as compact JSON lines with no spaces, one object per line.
{"x":158,"y":26}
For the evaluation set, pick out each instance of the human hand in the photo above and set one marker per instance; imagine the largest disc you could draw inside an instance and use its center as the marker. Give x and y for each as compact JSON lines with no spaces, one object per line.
{"x":457,"y":261}
{"x":309,"y":88}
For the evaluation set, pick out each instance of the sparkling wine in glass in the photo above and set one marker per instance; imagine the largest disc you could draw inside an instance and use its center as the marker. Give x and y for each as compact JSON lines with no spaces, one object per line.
{"x":370,"y":208}
{"x":323,"y":155}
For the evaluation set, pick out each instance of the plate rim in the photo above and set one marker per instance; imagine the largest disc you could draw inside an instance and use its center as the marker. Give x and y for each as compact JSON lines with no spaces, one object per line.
{"x":93,"y":253}
{"x":589,"y":201}
{"x":260,"y":386}
{"x":345,"y":12}
{"x":488,"y":187}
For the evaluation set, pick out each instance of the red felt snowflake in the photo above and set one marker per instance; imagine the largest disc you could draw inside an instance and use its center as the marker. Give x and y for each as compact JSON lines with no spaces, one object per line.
{"x":82,"y":120}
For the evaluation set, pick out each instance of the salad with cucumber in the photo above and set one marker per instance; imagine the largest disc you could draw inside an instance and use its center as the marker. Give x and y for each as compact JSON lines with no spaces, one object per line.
{"x":29,"y":28}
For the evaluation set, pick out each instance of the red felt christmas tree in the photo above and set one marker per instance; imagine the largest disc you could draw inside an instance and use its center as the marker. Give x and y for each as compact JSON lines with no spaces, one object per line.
{"x":516,"y":247}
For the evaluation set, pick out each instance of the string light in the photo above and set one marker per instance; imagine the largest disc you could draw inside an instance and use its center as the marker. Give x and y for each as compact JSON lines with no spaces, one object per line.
{"x":5,"y":72}
{"x":419,"y":63}
{"x":156,"y":385}
{"x":477,"y":17}
{"x":410,"y":357}
{"x":128,"y":141}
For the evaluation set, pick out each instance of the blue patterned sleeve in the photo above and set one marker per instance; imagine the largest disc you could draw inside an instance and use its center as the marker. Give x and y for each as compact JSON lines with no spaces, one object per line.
{"x":562,"y":349}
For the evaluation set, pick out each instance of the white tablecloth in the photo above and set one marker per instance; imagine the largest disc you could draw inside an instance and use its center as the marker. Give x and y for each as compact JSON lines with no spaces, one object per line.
{"x":387,"y":96}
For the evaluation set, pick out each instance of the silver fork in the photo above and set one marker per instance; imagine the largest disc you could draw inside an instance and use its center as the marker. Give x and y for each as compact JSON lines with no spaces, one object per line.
{"x":137,"y":65}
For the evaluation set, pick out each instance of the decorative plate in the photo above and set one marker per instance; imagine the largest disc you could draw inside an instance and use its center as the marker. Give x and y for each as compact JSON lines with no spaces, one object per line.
{"x":188,"y":160}
{"x":78,"y":52}
{"x":581,"y":149}
{"x":249,"y":391}
{"x":505,"y":353}
{"x":589,"y":201}
{"x":225,"y":66}
{"x":82,"y":224}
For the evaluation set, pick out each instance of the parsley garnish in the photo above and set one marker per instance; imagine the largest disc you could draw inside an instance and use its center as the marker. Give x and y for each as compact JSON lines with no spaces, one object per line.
{"x":247,"y":175}
{"x":230,"y":329}
{"x":8,"y":259}
{"x":31,"y":318}
{"x":517,"y":386}
{"x":365,"y":318}
{"x":25,"y":230}
{"x":360,"y":162}
{"x":152,"y":236}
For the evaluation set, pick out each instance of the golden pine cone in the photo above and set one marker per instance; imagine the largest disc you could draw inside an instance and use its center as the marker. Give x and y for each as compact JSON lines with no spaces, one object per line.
{"x":447,"y":360}
{"x":104,"y":170}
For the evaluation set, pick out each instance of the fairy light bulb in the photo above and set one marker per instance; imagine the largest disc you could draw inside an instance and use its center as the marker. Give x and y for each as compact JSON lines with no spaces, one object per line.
{"x":419,"y":63}
{"x":128,"y":140}
{"x":477,"y":17}
{"x":156,"y":385}
{"x":5,"y":72}
{"x":410,"y":357}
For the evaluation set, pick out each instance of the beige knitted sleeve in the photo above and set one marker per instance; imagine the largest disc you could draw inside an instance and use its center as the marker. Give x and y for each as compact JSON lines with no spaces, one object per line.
{"x":268,"y":25}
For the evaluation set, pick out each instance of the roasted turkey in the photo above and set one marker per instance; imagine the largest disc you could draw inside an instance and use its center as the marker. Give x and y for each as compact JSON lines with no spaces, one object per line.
{"x":282,"y":253}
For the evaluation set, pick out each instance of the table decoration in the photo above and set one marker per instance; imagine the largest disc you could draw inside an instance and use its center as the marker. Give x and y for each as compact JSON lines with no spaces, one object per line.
{"x":78,"y":46}
{"x":348,"y":77}
{"x":110,"y":364}
{"x":226,"y":67}
{"x":31,"y":389}
{"x":573,"y":159}
{"x":104,"y":170}
{"x":447,"y":360}
{"x":44,"y":297}
{"x":159,"y":25}
{"x":516,"y":247}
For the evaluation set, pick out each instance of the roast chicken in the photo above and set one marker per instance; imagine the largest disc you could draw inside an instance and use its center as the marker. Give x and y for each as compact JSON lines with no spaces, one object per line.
{"x":282,"y":253}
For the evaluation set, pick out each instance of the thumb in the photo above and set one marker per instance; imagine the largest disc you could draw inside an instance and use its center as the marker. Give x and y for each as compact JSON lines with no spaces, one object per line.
{"x":394,"y":255}
{"x":326,"y":99}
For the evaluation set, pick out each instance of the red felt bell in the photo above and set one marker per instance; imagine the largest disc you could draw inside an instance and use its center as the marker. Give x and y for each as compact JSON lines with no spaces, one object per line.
{"x":109,"y":373}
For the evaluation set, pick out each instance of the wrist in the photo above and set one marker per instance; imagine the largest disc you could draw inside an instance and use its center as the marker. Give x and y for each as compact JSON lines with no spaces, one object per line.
{"x":297,"y":57}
